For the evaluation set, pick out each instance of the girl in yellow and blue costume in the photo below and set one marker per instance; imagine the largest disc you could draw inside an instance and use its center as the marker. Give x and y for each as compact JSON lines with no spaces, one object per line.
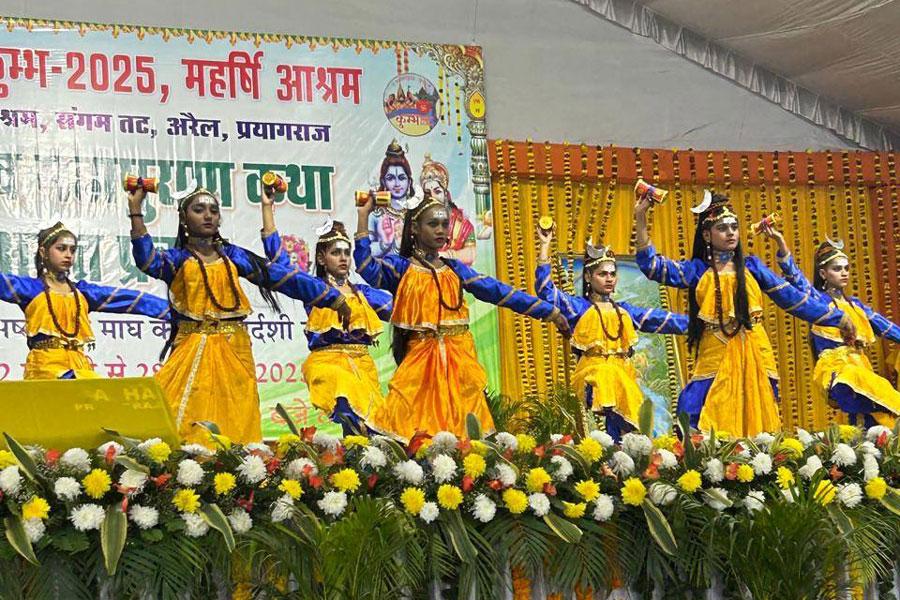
{"x":438,"y":380}
{"x":339,"y":371}
{"x":843,"y":375}
{"x":56,"y":309}
{"x":211,"y":374}
{"x":734,"y":385}
{"x":604,"y":334}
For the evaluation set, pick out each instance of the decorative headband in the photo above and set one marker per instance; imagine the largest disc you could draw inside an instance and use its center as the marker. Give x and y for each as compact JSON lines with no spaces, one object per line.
{"x":418,"y":204}
{"x":715,"y":209}
{"x":327,"y":233}
{"x":193,"y":189}
{"x":595,"y":255}
{"x":830,"y":250}
{"x":54,"y":232}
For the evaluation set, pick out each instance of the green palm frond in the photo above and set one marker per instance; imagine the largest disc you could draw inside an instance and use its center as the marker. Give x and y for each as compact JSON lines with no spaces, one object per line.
{"x":587,"y":564}
{"x":508,"y":414}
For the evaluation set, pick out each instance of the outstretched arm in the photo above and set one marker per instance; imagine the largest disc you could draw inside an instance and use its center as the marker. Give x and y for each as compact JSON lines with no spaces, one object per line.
{"x":102,"y":298}
{"x":656,"y":320}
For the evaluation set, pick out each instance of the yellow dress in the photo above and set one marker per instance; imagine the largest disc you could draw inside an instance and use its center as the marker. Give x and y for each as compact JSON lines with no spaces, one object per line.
{"x":440,"y":380}
{"x":740,"y":400}
{"x":848,"y":366}
{"x":51,"y":362}
{"x":343,"y":370}
{"x":605,"y":364}
{"x":211,"y":374}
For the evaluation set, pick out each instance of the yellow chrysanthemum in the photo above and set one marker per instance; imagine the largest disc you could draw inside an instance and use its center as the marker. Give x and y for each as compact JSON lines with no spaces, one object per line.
{"x":588,"y":489}
{"x":7,"y":459}
{"x":574,"y":510}
{"x":96,"y":483}
{"x":590,"y":449}
{"x":224,"y":483}
{"x":287,"y":441}
{"x":474,"y":465}
{"x":351,"y":441}
{"x":423,"y":449}
{"x":825,"y":492}
{"x":449,"y":496}
{"x":515,"y":501}
{"x":480,"y":448}
{"x":876,"y":488}
{"x":526,"y":443}
{"x":785,"y":478}
{"x":664,"y":442}
{"x":633,"y":491}
{"x":36,"y":508}
{"x":690,"y":481}
{"x":291,"y":487}
{"x":412,"y":499}
{"x":792,"y":447}
{"x":848,"y":432}
{"x":159,"y":452}
{"x":745,"y":473}
{"x":186,"y":500}
{"x":345,"y":480}
{"x":536,"y":479}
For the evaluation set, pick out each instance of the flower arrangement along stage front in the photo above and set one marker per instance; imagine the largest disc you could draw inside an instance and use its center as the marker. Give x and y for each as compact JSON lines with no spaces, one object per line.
{"x":316,"y":516}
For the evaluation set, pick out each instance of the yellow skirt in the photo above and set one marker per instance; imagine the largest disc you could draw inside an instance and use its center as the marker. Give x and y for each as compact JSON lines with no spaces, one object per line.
{"x":843,"y":365}
{"x":50,"y":363}
{"x":343,"y":371}
{"x":740,"y":400}
{"x":613,"y":381}
{"x":212,"y":377}
{"x":434,"y":388}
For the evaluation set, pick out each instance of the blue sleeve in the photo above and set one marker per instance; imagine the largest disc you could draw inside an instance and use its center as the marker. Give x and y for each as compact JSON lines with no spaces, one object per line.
{"x":155,"y":262}
{"x":572,"y":307}
{"x":383,"y":273}
{"x":792,"y":273}
{"x":656,"y":320}
{"x":881,"y":325}
{"x":19,"y":290}
{"x":488,"y":289}
{"x":380,"y":301}
{"x":299,"y":285}
{"x":274,"y":251}
{"x":673,"y":273}
{"x":120,"y":300}
{"x":803,"y":305}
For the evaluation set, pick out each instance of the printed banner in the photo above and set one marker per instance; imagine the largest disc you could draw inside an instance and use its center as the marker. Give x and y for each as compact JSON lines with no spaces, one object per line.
{"x":82,"y":105}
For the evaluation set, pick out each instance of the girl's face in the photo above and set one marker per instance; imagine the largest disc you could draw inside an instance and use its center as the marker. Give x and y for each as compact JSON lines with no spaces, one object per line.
{"x":396,"y":181}
{"x":60,"y":255}
{"x":836,"y":273}
{"x":202,"y":217}
{"x":724,"y":235}
{"x":335,"y":259}
{"x":431,"y":227}
{"x":603,"y":278}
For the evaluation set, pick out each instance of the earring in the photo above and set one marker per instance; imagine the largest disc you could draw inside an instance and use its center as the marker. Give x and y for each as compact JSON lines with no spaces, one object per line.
{"x":709,"y":252}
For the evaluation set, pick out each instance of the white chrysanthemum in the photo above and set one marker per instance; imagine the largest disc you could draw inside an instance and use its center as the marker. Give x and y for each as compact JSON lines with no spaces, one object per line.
{"x":146,"y":444}
{"x":755,"y":500}
{"x":240,"y":521}
{"x":506,"y":441}
{"x":333,"y":503}
{"x":326,"y":441}
{"x":668,"y":460}
{"x":875,"y":432}
{"x":870,"y":448}
{"x":10,"y":480}
{"x":87,"y":517}
{"x":410,"y":472}
{"x":443,"y":468}
{"x":484,"y":508}
{"x":190,"y":473}
{"x":196,"y":450}
{"x":637,"y":444}
{"x":67,"y":488}
{"x":715,"y":503}
{"x":715,"y":470}
{"x":539,"y":503}
{"x":564,"y":468}
{"x":505,"y":473}
{"x":843,"y":455}
{"x":195,"y":525}
{"x":116,"y":446}
{"x":870,"y":467}
{"x":252,"y":469}
{"x":622,"y":464}
{"x":805,"y":437}
{"x":282,"y":509}
{"x":144,"y":517}
{"x":762,"y":464}
{"x":133,"y":480}
{"x":603,"y":507}
{"x":789,"y":494}
{"x":295,"y":469}
{"x":662,"y":494}
{"x":34,"y":529}
{"x":813,"y":464}
{"x":444,"y":441}
{"x":849,"y":494}
{"x":429,"y":512}
{"x":764,"y":440}
{"x":77,"y":459}
{"x":259,"y":447}
{"x":373,"y":457}
{"x":602,"y":438}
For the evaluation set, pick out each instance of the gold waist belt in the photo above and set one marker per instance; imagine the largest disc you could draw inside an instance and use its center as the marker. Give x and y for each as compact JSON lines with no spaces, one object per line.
{"x":351,"y":349}
{"x":598,"y":351}
{"x":731,"y":323}
{"x":55,"y":343}
{"x":442,"y":331}
{"x":210,"y":327}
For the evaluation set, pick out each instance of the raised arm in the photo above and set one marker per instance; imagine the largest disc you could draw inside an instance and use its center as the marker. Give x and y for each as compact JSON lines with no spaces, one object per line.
{"x":680,"y":273}
{"x":383,"y":273}
{"x":656,"y":320}
{"x":120,"y":300}
{"x":572,"y":307}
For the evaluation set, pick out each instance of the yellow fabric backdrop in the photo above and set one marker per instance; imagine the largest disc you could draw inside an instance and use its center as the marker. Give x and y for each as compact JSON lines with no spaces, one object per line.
{"x":531,"y":354}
